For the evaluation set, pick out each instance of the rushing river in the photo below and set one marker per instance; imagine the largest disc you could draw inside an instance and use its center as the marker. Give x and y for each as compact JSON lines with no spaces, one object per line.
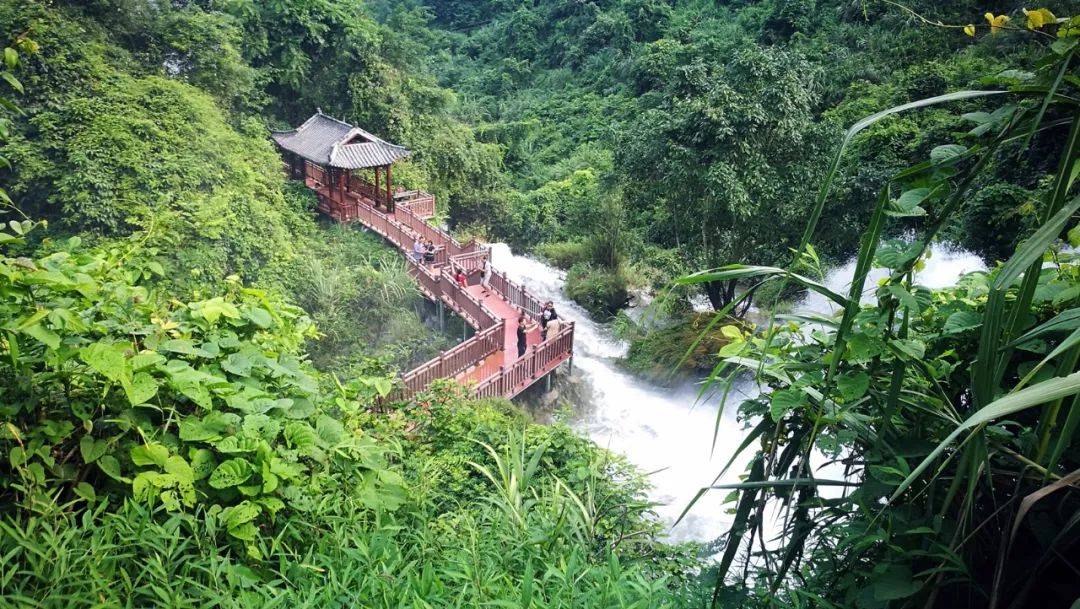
{"x":668,"y":432}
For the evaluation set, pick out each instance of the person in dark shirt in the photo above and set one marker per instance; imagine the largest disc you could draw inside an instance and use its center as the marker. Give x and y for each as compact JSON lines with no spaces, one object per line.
{"x":523,"y":328}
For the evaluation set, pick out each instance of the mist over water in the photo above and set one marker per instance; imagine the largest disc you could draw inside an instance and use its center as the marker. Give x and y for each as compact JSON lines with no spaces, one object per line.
{"x":668,"y":432}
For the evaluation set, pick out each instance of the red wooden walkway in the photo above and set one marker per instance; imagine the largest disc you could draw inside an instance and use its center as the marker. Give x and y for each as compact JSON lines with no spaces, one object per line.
{"x":488,"y":360}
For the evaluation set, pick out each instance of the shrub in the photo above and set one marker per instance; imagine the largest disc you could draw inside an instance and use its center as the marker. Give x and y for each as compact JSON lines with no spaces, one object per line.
{"x":600,"y":290}
{"x":661,"y":353}
{"x":565,"y":254}
{"x":112,"y":389}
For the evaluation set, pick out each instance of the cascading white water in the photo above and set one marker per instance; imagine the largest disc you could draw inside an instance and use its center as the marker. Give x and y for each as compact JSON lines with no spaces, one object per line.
{"x":659,"y":429}
{"x":664,"y":431}
{"x":944,"y":266}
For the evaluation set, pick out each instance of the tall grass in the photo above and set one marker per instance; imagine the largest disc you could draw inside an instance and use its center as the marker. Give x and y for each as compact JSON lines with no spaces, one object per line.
{"x":532,"y":543}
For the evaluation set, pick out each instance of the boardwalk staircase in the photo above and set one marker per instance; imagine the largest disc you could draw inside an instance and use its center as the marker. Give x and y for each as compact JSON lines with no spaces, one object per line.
{"x":487,"y":361}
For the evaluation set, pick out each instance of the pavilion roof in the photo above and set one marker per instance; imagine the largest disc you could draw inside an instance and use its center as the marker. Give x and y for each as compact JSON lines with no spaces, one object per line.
{"x":329,"y":142}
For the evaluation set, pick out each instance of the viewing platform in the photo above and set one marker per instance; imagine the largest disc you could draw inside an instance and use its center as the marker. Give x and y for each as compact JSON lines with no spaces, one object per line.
{"x":325,"y":153}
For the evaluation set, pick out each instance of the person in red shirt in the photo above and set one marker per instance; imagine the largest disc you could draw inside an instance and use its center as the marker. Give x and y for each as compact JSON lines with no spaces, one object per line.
{"x":460,"y":277}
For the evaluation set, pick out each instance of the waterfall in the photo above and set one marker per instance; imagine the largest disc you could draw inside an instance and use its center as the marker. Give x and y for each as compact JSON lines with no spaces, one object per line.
{"x":668,"y":432}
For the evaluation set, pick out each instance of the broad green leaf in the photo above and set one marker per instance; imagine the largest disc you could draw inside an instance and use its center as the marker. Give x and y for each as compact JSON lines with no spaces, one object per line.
{"x":233,"y":472}
{"x":946,"y":153}
{"x":143,"y":485}
{"x":170,"y":500}
{"x":107,"y":359}
{"x":244,"y":532}
{"x":237,"y":363}
{"x":86,"y":491}
{"x":329,"y":429}
{"x":784,"y":401}
{"x":91,"y":449}
{"x":194,"y":390}
{"x":382,"y":385}
{"x":272,"y":505}
{"x":214,"y":309}
{"x":150,"y":454}
{"x":178,"y":345}
{"x":111,"y":467}
{"x":202,"y":463}
{"x":43,"y":334}
{"x":853,"y":386}
{"x":897,"y":582}
{"x":259,"y":316}
{"x":141,"y":388}
{"x":962,"y":321}
{"x":243,"y":512}
{"x":913,"y":348}
{"x":300,"y":435}
{"x":180,"y":469}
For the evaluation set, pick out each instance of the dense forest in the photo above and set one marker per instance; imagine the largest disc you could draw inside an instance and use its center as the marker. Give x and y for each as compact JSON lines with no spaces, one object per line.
{"x":198,"y":370}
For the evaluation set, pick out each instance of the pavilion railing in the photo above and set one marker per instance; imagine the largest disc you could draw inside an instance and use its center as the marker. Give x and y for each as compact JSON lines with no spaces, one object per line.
{"x":366,"y":189}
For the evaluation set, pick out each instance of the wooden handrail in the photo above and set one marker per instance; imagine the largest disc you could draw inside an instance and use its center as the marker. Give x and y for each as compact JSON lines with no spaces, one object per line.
{"x":536,"y":362}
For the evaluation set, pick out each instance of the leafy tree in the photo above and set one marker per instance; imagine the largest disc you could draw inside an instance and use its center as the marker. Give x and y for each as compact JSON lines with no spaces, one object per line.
{"x":722,"y":167}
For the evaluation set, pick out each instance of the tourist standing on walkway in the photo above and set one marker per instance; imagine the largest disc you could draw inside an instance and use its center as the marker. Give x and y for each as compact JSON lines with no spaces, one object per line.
{"x":461,"y":278}
{"x":553,"y":327}
{"x":525,"y":325}
{"x":429,"y":252}
{"x":485,"y":277}
{"x":547,"y":315}
{"x":418,"y":250}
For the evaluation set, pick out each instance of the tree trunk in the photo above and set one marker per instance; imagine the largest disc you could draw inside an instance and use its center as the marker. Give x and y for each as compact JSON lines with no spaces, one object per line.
{"x":720,"y":295}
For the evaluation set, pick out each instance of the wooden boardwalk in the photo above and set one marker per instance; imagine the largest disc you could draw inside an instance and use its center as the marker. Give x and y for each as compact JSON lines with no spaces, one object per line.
{"x":487,"y":362}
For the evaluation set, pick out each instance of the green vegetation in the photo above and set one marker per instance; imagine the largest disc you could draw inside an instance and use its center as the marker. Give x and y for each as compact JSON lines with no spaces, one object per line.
{"x":950,"y":416}
{"x":661,"y":354}
{"x":711,"y":124}
{"x":195,"y":370}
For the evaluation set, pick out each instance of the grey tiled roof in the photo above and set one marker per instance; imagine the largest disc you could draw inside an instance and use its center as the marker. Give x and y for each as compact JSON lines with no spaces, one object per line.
{"x":326,"y":141}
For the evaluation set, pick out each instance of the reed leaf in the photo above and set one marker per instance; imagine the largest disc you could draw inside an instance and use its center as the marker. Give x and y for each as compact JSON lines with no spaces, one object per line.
{"x":1035,"y":395}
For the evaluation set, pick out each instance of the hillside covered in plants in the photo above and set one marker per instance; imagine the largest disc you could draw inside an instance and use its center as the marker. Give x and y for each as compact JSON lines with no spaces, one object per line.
{"x":198,"y":371}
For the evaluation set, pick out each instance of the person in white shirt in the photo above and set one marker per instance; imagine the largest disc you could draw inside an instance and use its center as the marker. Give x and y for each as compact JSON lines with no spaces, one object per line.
{"x":485,"y":277}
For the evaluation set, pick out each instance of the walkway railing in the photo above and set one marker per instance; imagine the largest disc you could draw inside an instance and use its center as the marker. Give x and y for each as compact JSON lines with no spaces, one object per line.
{"x":540,"y":360}
{"x":457,"y":360}
{"x":352,"y":201}
{"x":515,"y":294}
